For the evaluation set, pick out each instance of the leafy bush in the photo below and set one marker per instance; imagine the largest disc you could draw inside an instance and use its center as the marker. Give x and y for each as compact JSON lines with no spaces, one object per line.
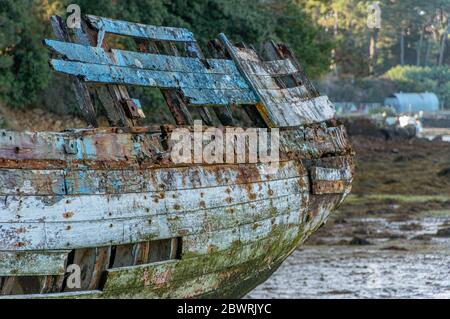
{"x":24,"y":72}
{"x":23,"y":61}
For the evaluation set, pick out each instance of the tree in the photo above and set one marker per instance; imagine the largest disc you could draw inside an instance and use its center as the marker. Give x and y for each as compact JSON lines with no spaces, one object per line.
{"x":23,"y":62}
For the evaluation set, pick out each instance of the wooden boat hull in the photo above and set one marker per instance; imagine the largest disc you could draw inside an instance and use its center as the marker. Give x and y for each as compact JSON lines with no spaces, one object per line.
{"x":140,"y":226}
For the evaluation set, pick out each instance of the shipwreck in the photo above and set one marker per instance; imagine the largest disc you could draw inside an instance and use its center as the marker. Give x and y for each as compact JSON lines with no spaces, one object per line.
{"x":137,"y":224}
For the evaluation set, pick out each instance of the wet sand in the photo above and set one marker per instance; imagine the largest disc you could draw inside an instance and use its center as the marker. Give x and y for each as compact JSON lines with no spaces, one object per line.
{"x":390,"y":238}
{"x":369,"y":258}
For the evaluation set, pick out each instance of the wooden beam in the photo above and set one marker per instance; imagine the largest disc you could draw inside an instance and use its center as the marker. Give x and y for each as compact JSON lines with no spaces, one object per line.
{"x":142,"y":31}
{"x":80,"y":89}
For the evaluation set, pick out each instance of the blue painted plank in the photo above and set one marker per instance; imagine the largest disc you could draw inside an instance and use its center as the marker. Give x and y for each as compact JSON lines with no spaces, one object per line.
{"x":134,"y":76}
{"x":219,"y":97}
{"x":138,"y":30}
{"x":157,"y":62}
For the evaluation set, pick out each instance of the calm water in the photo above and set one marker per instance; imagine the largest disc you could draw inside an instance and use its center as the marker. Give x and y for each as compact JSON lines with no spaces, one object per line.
{"x":389,"y":268}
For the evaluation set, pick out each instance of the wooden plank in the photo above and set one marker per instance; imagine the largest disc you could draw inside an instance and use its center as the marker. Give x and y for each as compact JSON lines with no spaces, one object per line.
{"x":62,"y":295}
{"x":38,"y":149}
{"x":172,"y":179}
{"x":225,"y":97}
{"x":32,"y":263}
{"x":305,"y":143}
{"x":70,"y":235}
{"x":163,"y":282}
{"x":80,"y":89}
{"x":120,"y":279}
{"x":38,"y":209}
{"x":194,"y":51}
{"x":286,"y":108}
{"x":160,"y":250}
{"x":328,"y":187}
{"x":51,"y":146}
{"x":112,"y":96}
{"x":174,"y":100}
{"x":294,"y":95}
{"x":123,"y":256}
{"x":204,"y":243}
{"x":134,"y":76}
{"x":330,"y":174}
{"x":281,"y":51}
{"x":141,"y":60}
{"x":280,"y":67}
{"x":331,"y":180}
{"x":139,"y":30}
{"x":310,"y":111}
{"x":141,"y":253}
{"x":95,"y":234}
{"x":225,"y":114}
{"x":35,"y":182}
{"x":96,"y":146}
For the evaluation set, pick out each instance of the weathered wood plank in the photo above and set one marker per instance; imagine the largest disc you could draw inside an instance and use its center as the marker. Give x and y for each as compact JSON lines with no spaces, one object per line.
{"x":133,"y":150}
{"x":89,"y":182}
{"x":189,"y":286}
{"x":32,"y":263}
{"x":288,"y":107}
{"x":335,"y":178}
{"x":69,"y":235}
{"x":61,"y":295}
{"x":207,"y":242}
{"x":139,"y":30}
{"x":130,"y":150}
{"x":36,"y":209}
{"x":199,"y":96}
{"x":141,"y":60}
{"x":314,"y":143}
{"x":174,"y":100}
{"x":280,"y":67}
{"x":32,"y":182}
{"x":135,"y":76}
{"x":292,"y":95}
{"x":328,"y":187}
{"x":281,"y":51}
{"x":80,"y":89}
{"x":150,"y":275}
{"x":330,"y":174}
{"x":310,"y":111}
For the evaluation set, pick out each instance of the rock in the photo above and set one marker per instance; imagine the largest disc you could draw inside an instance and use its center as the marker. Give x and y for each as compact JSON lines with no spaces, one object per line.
{"x":425,"y":237}
{"x":444,"y":172}
{"x":443,"y":232}
{"x":340,"y":221}
{"x":411,"y":227}
{"x":390,"y":181}
{"x":396,"y":248}
{"x":395,"y":151}
{"x":358,"y":241}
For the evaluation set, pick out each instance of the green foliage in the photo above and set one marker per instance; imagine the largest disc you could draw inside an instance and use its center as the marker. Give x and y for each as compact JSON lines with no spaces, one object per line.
{"x":419,"y":79}
{"x":23,"y":62}
{"x":359,"y":90}
{"x":252,"y":22}
{"x":346,"y":22}
{"x":24,"y":72}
